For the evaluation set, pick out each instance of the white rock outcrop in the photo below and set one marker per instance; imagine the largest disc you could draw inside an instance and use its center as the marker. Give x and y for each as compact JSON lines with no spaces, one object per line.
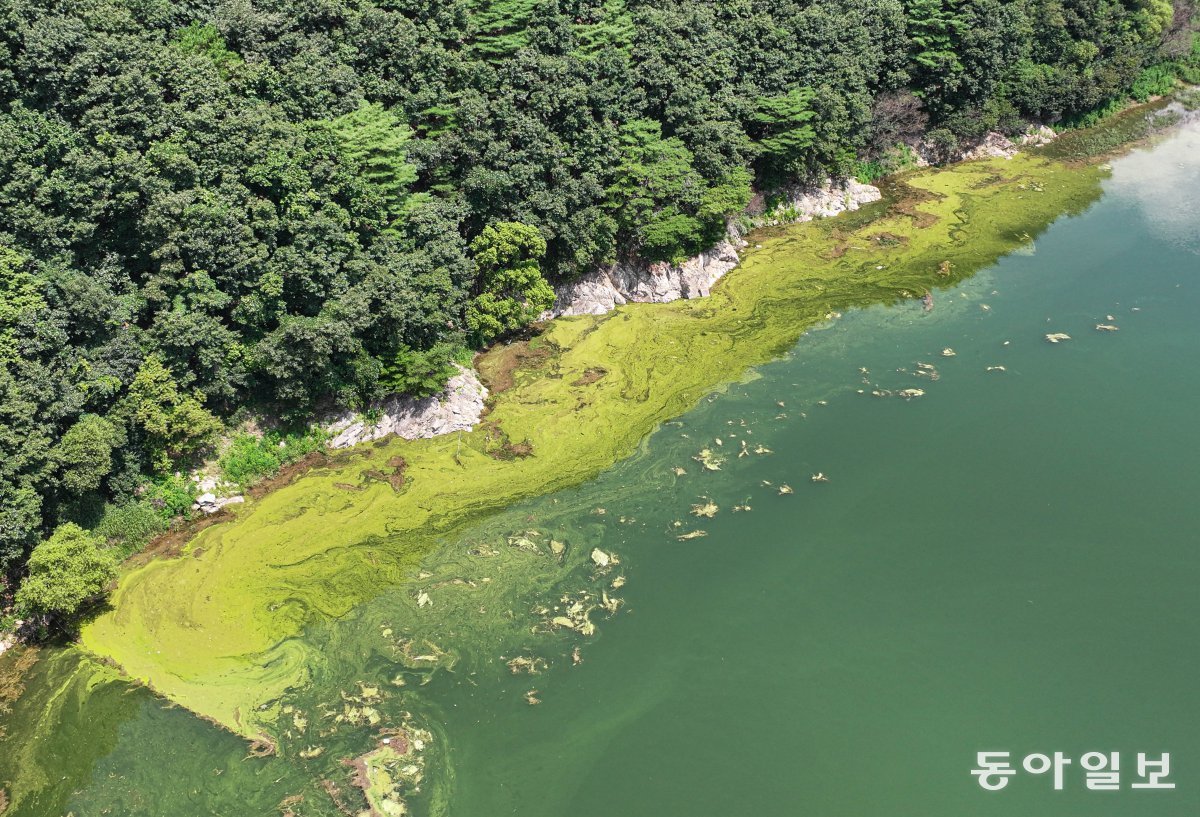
{"x":209,"y":502}
{"x":808,"y":202}
{"x":605,"y":289}
{"x":639,"y":282}
{"x":457,"y":408}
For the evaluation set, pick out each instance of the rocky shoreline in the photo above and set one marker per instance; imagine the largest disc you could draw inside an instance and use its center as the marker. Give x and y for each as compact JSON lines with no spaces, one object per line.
{"x":457,"y":408}
{"x":636,"y":281}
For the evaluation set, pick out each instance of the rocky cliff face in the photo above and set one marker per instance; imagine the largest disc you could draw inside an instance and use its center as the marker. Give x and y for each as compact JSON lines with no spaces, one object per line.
{"x":457,"y":408}
{"x":609,"y":287}
{"x":990,"y":145}
{"x":641,"y":282}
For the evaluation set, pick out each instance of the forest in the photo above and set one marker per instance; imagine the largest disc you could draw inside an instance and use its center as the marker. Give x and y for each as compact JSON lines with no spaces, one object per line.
{"x":218,"y":209}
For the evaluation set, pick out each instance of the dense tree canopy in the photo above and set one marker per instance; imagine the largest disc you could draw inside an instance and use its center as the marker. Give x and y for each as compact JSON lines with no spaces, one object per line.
{"x":212,"y":204}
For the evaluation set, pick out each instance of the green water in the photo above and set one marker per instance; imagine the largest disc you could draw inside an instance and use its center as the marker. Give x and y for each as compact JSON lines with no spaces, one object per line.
{"x":1005,"y":563}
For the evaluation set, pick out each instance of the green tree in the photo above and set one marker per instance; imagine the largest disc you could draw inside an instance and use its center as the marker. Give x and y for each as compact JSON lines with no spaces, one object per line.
{"x":784,"y":132}
{"x":84,"y":455}
{"x":66,"y":571}
{"x":20,"y":297}
{"x":206,"y":41}
{"x":512,"y":291}
{"x":175,"y":424}
{"x":375,"y":140}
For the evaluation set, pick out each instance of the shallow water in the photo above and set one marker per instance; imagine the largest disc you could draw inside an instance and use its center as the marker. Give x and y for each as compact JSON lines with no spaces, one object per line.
{"x":1005,"y":563}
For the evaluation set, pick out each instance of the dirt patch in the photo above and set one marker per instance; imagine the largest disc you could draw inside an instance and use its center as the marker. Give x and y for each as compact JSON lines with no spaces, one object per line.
{"x":497,"y":367}
{"x":346,"y":486}
{"x":886,"y":239}
{"x":288,"y":474}
{"x":170,"y":544}
{"x":590,"y":376}
{"x":398,"y":465}
{"x":993,"y":180}
{"x":498,"y":445}
{"x":262,"y":746}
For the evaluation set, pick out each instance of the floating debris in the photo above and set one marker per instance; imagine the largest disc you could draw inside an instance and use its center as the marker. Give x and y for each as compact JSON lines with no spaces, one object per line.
{"x":523,"y":542}
{"x":617,"y":583}
{"x":1107,"y":327}
{"x":707,"y":509}
{"x":744,"y":452}
{"x":785,"y":489}
{"x":423,"y":600}
{"x":985,"y":307}
{"x":530,"y":665}
{"x":557,"y":548}
{"x":819,"y":477}
{"x":576,"y":656}
{"x":696,"y":534}
{"x":710,"y":461}
{"x":762,"y":449}
{"x":996,"y":369}
{"x":909,"y":394}
{"x":601,"y":559}
{"x":531,"y":697}
{"x":742,"y":507}
{"x":1057,"y":337}
{"x":948,"y":352}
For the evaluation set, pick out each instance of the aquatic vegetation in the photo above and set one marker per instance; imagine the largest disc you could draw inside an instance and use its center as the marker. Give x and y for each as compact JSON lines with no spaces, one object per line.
{"x":218,"y":629}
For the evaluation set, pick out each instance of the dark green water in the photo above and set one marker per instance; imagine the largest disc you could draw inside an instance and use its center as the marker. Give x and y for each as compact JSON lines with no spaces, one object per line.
{"x":1007,"y":563}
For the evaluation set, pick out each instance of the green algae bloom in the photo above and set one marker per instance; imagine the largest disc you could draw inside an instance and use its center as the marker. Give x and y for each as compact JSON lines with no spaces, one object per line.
{"x":219,"y":629}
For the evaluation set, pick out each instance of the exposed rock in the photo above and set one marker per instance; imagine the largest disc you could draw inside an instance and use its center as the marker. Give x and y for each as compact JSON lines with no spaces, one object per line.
{"x":457,"y":408}
{"x":7,"y":642}
{"x":607,"y":288}
{"x":1035,"y":136}
{"x":640,"y":282}
{"x":991,"y":145}
{"x":209,"y":502}
{"x":805,"y":203}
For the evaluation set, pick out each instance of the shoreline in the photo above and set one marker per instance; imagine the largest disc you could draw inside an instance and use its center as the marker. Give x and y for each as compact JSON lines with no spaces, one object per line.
{"x":542,"y":434}
{"x":561,"y":341}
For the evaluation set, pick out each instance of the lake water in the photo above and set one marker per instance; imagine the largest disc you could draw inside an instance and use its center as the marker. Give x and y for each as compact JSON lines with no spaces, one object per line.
{"x":1007,"y":562}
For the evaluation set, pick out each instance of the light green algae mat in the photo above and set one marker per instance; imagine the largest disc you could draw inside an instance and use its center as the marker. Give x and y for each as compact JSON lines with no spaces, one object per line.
{"x":217,"y":628}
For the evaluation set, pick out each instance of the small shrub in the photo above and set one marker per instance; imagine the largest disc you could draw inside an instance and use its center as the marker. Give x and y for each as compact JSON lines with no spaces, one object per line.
{"x":171,"y":496}
{"x":1153,"y":81}
{"x":250,"y":458}
{"x":420,"y":373}
{"x":130,"y":526}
